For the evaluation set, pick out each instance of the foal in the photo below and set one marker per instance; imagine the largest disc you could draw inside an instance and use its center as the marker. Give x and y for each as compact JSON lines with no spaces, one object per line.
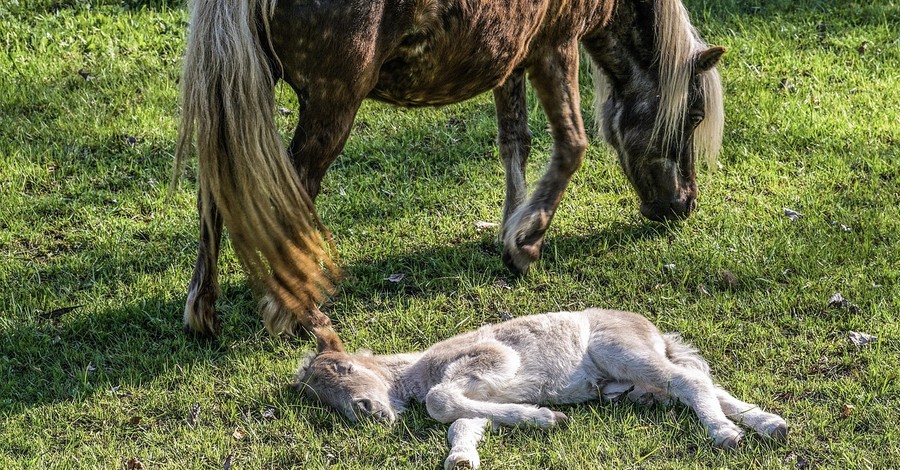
{"x":501,"y":373}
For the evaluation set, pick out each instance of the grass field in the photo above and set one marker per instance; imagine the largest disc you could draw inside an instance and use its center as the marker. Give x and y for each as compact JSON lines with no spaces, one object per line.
{"x":95,"y":371}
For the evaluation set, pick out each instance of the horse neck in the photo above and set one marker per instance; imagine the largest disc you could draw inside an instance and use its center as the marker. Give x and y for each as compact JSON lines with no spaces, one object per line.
{"x":624,"y":48}
{"x":400,"y":372}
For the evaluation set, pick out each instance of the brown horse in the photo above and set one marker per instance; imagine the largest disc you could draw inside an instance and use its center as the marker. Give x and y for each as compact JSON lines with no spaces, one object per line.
{"x":660,"y":107}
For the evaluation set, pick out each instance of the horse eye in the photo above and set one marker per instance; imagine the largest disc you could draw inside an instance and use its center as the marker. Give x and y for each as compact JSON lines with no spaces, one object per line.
{"x":696,"y":118}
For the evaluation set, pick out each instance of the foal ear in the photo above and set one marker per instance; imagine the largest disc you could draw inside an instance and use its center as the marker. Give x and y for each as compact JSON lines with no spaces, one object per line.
{"x":343,"y":367}
{"x":706,"y":60}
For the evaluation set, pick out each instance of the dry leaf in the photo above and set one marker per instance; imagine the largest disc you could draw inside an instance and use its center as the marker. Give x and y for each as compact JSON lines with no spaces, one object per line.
{"x":56,"y":313}
{"x":285,"y":111}
{"x":861,"y":339}
{"x":135,"y":420}
{"x":226,"y":465}
{"x":238,"y":434}
{"x":269,"y":413}
{"x":397,"y":277}
{"x":669,"y":267}
{"x":506,"y":316}
{"x":134,"y":464}
{"x":838,"y":301}
{"x":481,"y":225}
{"x":847,"y":409}
{"x":792,"y":214}
{"x":500,"y":283}
{"x":194,"y":415}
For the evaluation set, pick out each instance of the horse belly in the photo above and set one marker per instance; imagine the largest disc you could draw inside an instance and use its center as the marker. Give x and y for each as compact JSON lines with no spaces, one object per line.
{"x":455,"y":52}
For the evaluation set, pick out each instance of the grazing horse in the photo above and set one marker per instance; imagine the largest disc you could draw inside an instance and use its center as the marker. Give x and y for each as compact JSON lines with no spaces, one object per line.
{"x":660,"y":108}
{"x":500,"y":374}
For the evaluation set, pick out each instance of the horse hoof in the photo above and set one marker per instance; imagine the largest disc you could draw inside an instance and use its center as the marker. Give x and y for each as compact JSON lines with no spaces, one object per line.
{"x":462,"y":460}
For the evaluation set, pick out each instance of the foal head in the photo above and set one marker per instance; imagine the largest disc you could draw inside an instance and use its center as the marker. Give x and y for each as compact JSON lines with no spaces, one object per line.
{"x":354,"y":384}
{"x":659,"y":103}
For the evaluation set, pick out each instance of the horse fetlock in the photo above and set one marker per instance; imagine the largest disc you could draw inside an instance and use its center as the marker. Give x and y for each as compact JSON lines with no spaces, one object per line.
{"x":462,"y":459}
{"x":200,"y":316}
{"x":523,"y":237}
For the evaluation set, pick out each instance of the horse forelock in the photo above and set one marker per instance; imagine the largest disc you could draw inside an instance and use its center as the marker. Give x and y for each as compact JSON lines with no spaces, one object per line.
{"x":677,"y":42}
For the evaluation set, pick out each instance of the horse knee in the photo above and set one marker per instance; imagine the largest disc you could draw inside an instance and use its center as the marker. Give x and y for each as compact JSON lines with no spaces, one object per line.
{"x":441,"y":405}
{"x":571,"y":153}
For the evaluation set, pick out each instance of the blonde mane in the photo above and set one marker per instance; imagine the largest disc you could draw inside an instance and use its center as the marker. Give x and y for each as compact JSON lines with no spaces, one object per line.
{"x":678,"y":41}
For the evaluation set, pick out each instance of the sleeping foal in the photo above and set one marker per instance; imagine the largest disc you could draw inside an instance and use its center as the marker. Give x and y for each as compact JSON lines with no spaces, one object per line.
{"x":500,"y":374}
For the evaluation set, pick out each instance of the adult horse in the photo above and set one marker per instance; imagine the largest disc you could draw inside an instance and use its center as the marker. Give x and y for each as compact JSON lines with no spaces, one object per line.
{"x":663,"y":108}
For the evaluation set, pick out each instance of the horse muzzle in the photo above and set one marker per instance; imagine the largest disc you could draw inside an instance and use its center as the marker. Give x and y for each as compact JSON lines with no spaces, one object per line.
{"x":675,"y":209}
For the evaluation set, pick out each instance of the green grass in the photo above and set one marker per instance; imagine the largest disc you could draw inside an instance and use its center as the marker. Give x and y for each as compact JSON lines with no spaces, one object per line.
{"x":88,"y":112}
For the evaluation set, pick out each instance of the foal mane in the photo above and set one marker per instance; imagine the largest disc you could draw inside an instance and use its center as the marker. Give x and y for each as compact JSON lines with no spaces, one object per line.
{"x":677,"y":42}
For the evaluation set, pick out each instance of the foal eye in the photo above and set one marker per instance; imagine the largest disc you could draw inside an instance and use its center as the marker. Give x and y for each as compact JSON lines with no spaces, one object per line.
{"x":696,"y":118}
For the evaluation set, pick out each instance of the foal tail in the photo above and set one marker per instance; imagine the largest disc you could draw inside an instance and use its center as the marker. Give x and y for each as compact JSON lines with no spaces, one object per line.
{"x":684,"y":354}
{"x":228,"y":102}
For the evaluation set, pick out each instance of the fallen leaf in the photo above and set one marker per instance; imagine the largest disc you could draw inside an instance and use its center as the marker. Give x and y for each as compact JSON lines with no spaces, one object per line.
{"x":226,"y":465}
{"x":56,"y":313}
{"x":669,"y":267}
{"x":85,"y":74}
{"x":269,"y":413}
{"x":91,"y":368}
{"x":482,"y":225}
{"x":134,"y":464}
{"x":861,"y":339}
{"x":506,"y":316}
{"x":792,"y":214}
{"x":847,"y":409}
{"x":194,"y":415}
{"x":838,"y":301}
{"x":862,"y":48}
{"x":500,"y":283}
{"x":135,"y":420}
{"x":702,"y":289}
{"x":238,"y":434}
{"x":397,"y":277}
{"x":729,"y":279}
{"x":285,"y":111}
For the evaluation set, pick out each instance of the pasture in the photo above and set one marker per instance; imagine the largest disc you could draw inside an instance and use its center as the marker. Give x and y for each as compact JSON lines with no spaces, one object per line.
{"x":95,"y":371}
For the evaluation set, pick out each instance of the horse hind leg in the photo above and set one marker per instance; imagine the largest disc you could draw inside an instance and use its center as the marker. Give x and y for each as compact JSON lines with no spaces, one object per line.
{"x":514,"y":140}
{"x":322,"y":129}
{"x":555,"y":80}
{"x":200,"y":315}
{"x":767,"y":424}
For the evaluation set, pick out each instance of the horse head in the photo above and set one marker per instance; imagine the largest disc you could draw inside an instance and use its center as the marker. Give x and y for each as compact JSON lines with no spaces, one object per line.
{"x":659,"y":103}
{"x":354,"y":384}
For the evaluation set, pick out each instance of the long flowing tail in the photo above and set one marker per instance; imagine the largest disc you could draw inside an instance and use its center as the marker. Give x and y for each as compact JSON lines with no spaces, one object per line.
{"x":228,"y":102}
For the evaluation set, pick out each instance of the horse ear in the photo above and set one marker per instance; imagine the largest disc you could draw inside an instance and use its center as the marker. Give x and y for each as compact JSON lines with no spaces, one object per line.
{"x":328,"y":340}
{"x":343,"y":367}
{"x":301,"y":377}
{"x":707,"y":59}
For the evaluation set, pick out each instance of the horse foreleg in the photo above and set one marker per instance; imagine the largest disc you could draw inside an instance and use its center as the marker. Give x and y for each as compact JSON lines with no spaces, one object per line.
{"x":447,"y":403}
{"x":514,"y":139}
{"x":767,"y":424}
{"x":200,"y":315}
{"x":696,"y":390}
{"x":554,"y":76}
{"x":464,"y":436}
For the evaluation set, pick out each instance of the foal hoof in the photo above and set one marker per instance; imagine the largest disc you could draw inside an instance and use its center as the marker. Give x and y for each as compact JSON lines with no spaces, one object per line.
{"x":728,"y":440}
{"x":777,"y":430}
{"x":462,"y":460}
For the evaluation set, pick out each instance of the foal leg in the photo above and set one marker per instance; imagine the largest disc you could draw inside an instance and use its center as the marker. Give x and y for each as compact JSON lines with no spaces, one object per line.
{"x":447,"y":403}
{"x":554,"y":76}
{"x":200,"y":315}
{"x":514,"y":140}
{"x":464,"y":436}
{"x":696,"y":390}
{"x":767,"y":424}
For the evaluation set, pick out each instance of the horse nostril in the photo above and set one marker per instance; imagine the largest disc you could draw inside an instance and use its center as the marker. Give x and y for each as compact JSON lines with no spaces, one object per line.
{"x":365,"y":405}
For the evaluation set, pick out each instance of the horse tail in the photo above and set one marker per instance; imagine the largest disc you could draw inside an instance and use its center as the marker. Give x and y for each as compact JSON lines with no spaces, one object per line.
{"x":228,"y":102}
{"x":684,"y":354}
